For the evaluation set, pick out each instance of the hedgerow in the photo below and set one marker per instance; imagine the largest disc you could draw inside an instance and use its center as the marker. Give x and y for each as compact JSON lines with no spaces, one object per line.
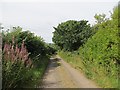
{"x":100,"y":53}
{"x":25,"y":57}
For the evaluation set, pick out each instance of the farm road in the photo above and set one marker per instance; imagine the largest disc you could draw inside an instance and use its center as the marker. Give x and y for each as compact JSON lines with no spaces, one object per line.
{"x":60,"y":74}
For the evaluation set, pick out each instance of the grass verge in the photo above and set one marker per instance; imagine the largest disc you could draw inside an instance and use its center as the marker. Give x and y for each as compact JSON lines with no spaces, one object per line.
{"x":38,"y":72}
{"x":90,"y":71}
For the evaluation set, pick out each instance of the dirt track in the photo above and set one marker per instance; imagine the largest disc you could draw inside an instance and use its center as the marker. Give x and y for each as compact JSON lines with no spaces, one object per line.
{"x":60,"y":74}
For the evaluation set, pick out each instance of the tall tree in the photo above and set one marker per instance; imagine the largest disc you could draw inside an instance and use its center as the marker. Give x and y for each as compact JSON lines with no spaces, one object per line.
{"x":71,"y":34}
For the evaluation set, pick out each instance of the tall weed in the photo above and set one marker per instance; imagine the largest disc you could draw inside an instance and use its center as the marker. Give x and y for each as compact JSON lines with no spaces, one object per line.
{"x":16,"y":65}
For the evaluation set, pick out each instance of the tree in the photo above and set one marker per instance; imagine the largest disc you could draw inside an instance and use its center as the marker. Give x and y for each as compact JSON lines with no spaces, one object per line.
{"x":101,"y":22}
{"x":70,"y":35}
{"x":9,"y":34}
{"x":35,"y":45}
{"x":100,"y":18}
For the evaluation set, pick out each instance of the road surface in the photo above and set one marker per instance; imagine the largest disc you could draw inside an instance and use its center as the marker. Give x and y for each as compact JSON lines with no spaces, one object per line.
{"x":60,"y":74}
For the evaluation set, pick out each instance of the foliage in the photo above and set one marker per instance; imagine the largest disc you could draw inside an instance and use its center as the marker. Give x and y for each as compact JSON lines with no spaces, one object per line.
{"x":101,"y":51}
{"x":100,"y":18}
{"x":16,"y":65}
{"x":16,"y":56}
{"x":8,"y":35}
{"x":70,"y":35}
{"x":101,"y":22}
{"x":99,"y":57}
{"x":34,"y":44}
{"x":52,"y":48}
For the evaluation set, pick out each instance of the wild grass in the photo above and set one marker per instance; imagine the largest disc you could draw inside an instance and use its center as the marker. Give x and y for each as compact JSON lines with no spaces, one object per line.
{"x":73,"y":59}
{"x":19,"y":71}
{"x":92,"y":71}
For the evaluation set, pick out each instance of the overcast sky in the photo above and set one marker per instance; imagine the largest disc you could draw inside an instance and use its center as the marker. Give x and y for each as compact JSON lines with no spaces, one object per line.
{"x":40,"y":16}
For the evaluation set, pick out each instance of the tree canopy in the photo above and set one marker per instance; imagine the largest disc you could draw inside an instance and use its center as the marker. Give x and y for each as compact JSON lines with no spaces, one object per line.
{"x":70,"y":35}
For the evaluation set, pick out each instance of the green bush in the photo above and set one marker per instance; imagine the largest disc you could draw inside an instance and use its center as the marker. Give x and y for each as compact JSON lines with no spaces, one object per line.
{"x":35,"y":45}
{"x":100,"y":54}
{"x":20,"y":48}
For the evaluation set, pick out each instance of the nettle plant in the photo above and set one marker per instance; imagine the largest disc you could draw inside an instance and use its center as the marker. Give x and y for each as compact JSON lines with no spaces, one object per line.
{"x":16,"y":65}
